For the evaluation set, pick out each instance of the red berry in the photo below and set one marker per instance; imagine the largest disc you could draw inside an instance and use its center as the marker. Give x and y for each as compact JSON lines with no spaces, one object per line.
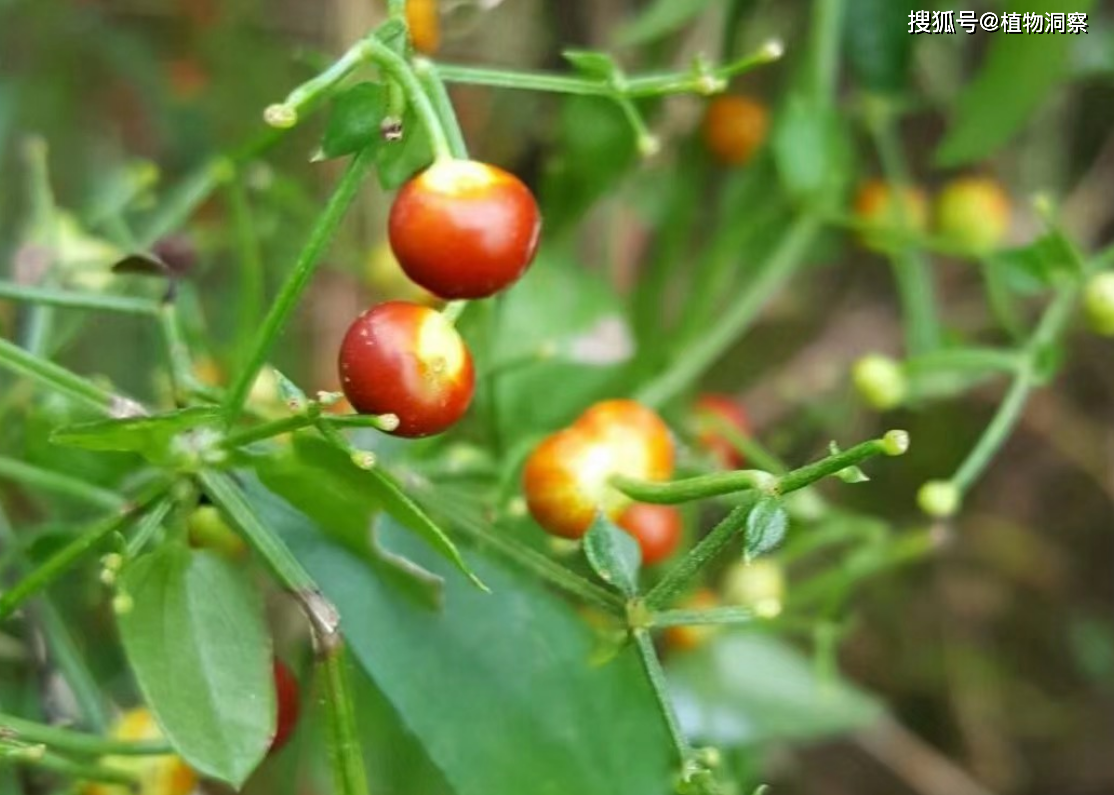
{"x":656,"y":528}
{"x":463,"y":229}
{"x":713,"y":412}
{"x":286,"y":705}
{"x":566,"y":476}
{"x":408,"y":360}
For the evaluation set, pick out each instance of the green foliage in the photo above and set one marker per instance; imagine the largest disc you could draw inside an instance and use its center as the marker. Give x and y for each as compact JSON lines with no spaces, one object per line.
{"x":194,"y":634}
{"x":1018,"y":75}
{"x":489,"y":667}
{"x":878,"y":45}
{"x":749,"y":688}
{"x":614,"y":555}
{"x":766,"y":526}
{"x":356,"y":120}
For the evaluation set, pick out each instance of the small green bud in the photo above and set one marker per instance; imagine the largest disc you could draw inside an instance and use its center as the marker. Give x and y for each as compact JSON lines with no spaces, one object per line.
{"x":939,"y":498}
{"x":281,"y":117}
{"x":881,"y":381}
{"x":895,"y":443}
{"x":1098,"y":303}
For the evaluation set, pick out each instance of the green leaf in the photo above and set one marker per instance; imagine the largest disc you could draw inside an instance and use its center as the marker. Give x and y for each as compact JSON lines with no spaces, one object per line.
{"x":851,"y":474}
{"x":201,"y":654}
{"x":749,"y":688}
{"x":411,"y":516}
{"x":614,"y":555}
{"x":766,"y":527}
{"x":598,"y":65}
{"x":595,"y":148}
{"x":290,"y":393}
{"x":355,"y":121}
{"x":163,"y":438}
{"x":1018,"y":74}
{"x":399,"y":160}
{"x":510,"y":664}
{"x":1042,"y":264}
{"x":320,"y":481}
{"x":557,"y":307}
{"x":812,"y":150}
{"x":877,"y":42}
{"x":659,"y":19}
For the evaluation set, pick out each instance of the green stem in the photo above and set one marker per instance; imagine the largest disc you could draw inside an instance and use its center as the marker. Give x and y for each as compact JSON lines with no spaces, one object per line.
{"x":702,"y":353}
{"x":187,"y":196}
{"x":177,"y":351}
{"x":654,"y":672}
{"x":720,"y":483}
{"x":227,"y":495}
{"x":696,"y":488}
{"x":651,"y":85}
{"x":75,"y":300}
{"x":974,"y":360}
{"x":399,"y":69}
{"x":60,"y":643}
{"x":467,"y":521}
{"x":681,"y":575}
{"x":47,"y":480}
{"x":64,"y":558}
{"x":250,"y":305}
{"x":77,"y":743}
{"x":827,"y":35}
{"x":396,"y":9}
{"x":1052,"y":324}
{"x":912,"y":271}
{"x":299,"y":278}
{"x":291,"y":110}
{"x":268,"y":430}
{"x":810,"y":473}
{"x":56,"y":377}
{"x":148,"y":525}
{"x":435,"y":88}
{"x":33,"y":757}
{"x":349,"y":776}
{"x":45,"y":231}
{"x":297,"y":422}
{"x":706,"y":617}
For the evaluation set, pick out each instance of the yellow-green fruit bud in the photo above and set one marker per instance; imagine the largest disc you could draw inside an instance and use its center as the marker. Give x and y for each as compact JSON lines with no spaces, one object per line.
{"x":939,"y":498}
{"x":973,"y":213}
{"x":881,"y":381}
{"x":759,"y":585}
{"x":1098,"y":302}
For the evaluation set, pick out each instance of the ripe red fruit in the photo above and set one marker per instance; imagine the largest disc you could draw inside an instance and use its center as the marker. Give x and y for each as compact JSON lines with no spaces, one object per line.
{"x":566,"y":476}
{"x":287,"y":705}
{"x":408,"y":360}
{"x":656,"y":528}
{"x":463,"y":229}
{"x":712,"y":413}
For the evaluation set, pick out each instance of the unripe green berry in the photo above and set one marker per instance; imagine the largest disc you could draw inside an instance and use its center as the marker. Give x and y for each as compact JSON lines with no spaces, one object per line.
{"x":881,"y":381}
{"x":895,"y":443}
{"x":1098,"y":303}
{"x":939,"y":498}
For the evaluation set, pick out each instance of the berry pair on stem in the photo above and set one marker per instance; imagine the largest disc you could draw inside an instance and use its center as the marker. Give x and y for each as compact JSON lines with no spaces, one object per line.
{"x":567,"y":479}
{"x":461,"y":230}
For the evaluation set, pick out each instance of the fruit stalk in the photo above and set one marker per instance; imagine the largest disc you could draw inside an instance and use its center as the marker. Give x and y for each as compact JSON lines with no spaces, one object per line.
{"x":299,"y":278}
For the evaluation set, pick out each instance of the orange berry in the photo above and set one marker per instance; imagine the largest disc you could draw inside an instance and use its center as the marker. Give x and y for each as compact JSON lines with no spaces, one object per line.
{"x":566,"y":479}
{"x":734,"y":128}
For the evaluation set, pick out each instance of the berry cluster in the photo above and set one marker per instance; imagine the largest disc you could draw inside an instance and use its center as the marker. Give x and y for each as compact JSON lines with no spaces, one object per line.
{"x":971,"y":214}
{"x":460,"y":230}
